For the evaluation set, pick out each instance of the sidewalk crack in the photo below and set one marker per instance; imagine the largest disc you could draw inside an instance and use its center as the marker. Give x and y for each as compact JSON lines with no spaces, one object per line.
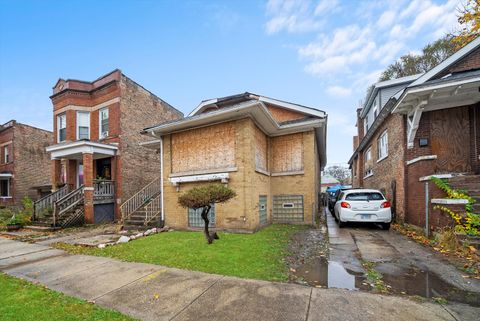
{"x":309,"y":302}
{"x":188,"y":305}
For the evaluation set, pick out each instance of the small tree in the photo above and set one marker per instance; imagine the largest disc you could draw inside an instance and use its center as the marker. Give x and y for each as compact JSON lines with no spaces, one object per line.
{"x":203,"y":197}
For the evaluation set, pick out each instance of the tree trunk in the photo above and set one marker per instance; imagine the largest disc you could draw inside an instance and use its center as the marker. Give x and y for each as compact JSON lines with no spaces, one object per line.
{"x":204,"y":215}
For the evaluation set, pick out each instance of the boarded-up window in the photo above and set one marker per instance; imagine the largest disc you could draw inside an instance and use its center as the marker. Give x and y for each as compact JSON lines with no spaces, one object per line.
{"x":287,"y":153}
{"x":204,"y":148}
{"x":260,"y":150}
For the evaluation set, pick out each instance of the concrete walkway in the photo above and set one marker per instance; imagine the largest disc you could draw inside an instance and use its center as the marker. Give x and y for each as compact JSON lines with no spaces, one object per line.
{"x":152,"y":292}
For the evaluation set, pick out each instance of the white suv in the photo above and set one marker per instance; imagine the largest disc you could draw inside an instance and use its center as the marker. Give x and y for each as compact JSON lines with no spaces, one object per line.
{"x":363,"y":205}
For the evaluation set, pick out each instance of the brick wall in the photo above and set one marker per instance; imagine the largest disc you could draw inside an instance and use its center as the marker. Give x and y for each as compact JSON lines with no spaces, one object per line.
{"x":139,"y":109}
{"x":242,"y":212}
{"x":32,"y":163}
{"x":471,"y":61}
{"x":388,"y":173}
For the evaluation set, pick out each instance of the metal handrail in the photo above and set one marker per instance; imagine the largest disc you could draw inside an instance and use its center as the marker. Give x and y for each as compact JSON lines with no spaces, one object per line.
{"x":140,"y":198}
{"x":153,"y":209}
{"x":48,"y":200}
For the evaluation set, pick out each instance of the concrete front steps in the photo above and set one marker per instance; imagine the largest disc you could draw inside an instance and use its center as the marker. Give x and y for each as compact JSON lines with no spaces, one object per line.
{"x":136,"y":221}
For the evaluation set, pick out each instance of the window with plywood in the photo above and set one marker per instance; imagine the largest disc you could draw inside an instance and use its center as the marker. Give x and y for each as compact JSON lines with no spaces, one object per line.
{"x":203,"y":149}
{"x":287,"y":153}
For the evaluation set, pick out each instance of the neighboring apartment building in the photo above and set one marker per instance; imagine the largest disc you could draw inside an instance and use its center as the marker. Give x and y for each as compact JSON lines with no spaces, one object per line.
{"x":378,"y":158}
{"x":24,"y":163}
{"x":269,"y":151}
{"x":433,"y":127}
{"x":97,"y":160}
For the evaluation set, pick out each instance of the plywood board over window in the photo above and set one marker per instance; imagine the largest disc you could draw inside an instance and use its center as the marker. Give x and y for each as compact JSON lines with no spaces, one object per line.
{"x":287,"y":153}
{"x":203,"y":149}
{"x":261,"y":148}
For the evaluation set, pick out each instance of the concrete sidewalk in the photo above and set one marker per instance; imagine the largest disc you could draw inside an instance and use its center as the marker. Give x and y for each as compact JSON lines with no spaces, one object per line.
{"x":152,"y":292}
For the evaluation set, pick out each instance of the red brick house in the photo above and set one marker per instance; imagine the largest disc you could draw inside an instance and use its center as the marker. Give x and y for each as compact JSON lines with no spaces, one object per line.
{"x":97,"y":160}
{"x":23,"y":162}
{"x":433,"y":127}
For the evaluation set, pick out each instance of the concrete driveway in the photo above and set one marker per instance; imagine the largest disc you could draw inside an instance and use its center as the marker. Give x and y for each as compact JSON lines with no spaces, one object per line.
{"x":407,"y":267}
{"x":152,"y":292}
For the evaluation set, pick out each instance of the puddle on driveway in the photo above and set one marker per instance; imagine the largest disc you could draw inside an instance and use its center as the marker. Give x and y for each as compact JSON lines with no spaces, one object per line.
{"x":322,"y":273}
{"x":411,"y":281}
{"x":414,"y":281}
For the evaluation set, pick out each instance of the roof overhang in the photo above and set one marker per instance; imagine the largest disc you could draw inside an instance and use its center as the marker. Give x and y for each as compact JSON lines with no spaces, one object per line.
{"x":294,"y":107}
{"x":428,"y":97}
{"x":76,"y":149}
{"x":258,"y":112}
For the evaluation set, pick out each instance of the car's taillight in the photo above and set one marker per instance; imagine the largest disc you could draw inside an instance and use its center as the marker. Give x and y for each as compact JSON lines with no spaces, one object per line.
{"x":386,"y":204}
{"x":345,"y":205}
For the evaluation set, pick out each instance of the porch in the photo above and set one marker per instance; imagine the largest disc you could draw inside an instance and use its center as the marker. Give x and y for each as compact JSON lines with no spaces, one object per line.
{"x":84,"y":182}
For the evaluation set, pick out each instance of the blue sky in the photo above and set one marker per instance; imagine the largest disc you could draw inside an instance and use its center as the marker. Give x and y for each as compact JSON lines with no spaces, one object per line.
{"x":320,"y":53}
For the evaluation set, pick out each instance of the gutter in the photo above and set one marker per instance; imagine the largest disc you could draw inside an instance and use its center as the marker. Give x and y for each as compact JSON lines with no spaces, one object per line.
{"x":161,"y":174}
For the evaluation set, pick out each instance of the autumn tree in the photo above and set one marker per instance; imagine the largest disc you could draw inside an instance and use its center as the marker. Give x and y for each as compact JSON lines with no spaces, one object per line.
{"x":204,"y":197}
{"x":412,"y":64}
{"x":341,"y":173}
{"x":469,"y":20}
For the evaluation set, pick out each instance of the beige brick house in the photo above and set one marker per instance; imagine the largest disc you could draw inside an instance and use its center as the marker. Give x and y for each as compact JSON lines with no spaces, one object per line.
{"x":269,"y":151}
{"x":97,"y":160}
{"x":24,"y":163}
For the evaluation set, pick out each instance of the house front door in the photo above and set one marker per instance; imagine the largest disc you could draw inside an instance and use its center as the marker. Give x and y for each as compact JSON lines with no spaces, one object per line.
{"x":79,"y":173}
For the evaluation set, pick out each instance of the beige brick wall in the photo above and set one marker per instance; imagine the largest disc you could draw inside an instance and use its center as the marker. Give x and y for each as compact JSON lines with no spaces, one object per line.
{"x":139,"y":109}
{"x":242,"y":212}
{"x":31,"y":161}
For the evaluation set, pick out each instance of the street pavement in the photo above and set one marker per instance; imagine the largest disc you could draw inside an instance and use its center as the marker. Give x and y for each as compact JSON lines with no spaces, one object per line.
{"x":152,"y":292}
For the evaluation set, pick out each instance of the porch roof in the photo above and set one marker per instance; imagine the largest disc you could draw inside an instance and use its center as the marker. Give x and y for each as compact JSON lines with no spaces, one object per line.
{"x":76,"y":149}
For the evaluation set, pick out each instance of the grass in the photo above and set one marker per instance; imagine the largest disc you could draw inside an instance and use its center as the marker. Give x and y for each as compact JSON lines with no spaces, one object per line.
{"x":257,"y":256}
{"x":21,"y":300}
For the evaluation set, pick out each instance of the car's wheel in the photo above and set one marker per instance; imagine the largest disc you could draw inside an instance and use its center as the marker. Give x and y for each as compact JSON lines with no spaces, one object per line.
{"x":341,"y":224}
{"x":386,"y":226}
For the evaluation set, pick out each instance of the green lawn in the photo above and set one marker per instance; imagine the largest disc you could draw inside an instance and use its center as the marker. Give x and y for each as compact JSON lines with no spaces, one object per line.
{"x":257,"y":256}
{"x":21,"y":300}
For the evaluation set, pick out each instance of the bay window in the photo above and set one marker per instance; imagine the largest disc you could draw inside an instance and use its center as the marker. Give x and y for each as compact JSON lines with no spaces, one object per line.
{"x":103,"y":125}
{"x":61,"y":128}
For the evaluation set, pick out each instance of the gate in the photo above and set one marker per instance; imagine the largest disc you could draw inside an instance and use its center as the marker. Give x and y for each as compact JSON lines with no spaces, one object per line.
{"x":263,"y":209}
{"x":195,"y":218}
{"x":287,"y":209}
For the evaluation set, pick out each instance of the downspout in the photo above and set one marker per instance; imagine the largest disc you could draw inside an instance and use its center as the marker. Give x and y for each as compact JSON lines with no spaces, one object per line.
{"x":161,"y":173}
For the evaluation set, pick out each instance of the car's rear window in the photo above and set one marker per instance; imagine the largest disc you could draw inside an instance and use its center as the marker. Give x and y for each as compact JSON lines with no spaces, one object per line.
{"x":364,"y":196}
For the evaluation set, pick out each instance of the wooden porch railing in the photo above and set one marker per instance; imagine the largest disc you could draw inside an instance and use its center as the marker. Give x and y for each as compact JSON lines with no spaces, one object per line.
{"x":104,"y":190}
{"x":153,"y":209}
{"x":67,"y":203}
{"x":48,"y":201}
{"x":140,"y":198}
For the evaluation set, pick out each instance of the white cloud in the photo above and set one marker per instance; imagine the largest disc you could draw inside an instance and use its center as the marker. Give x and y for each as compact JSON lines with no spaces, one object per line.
{"x":343,"y":122}
{"x":325,"y":6}
{"x":386,"y":19}
{"x":381,"y":32}
{"x":297,"y":16}
{"x":337,"y":91}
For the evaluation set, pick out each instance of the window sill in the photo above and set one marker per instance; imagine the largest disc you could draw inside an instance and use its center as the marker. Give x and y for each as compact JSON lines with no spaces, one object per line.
{"x":367,"y":176}
{"x":263,"y":172}
{"x":288,"y":173}
{"x":5,"y":197}
{"x":380,"y":159}
{"x":202,"y":172}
